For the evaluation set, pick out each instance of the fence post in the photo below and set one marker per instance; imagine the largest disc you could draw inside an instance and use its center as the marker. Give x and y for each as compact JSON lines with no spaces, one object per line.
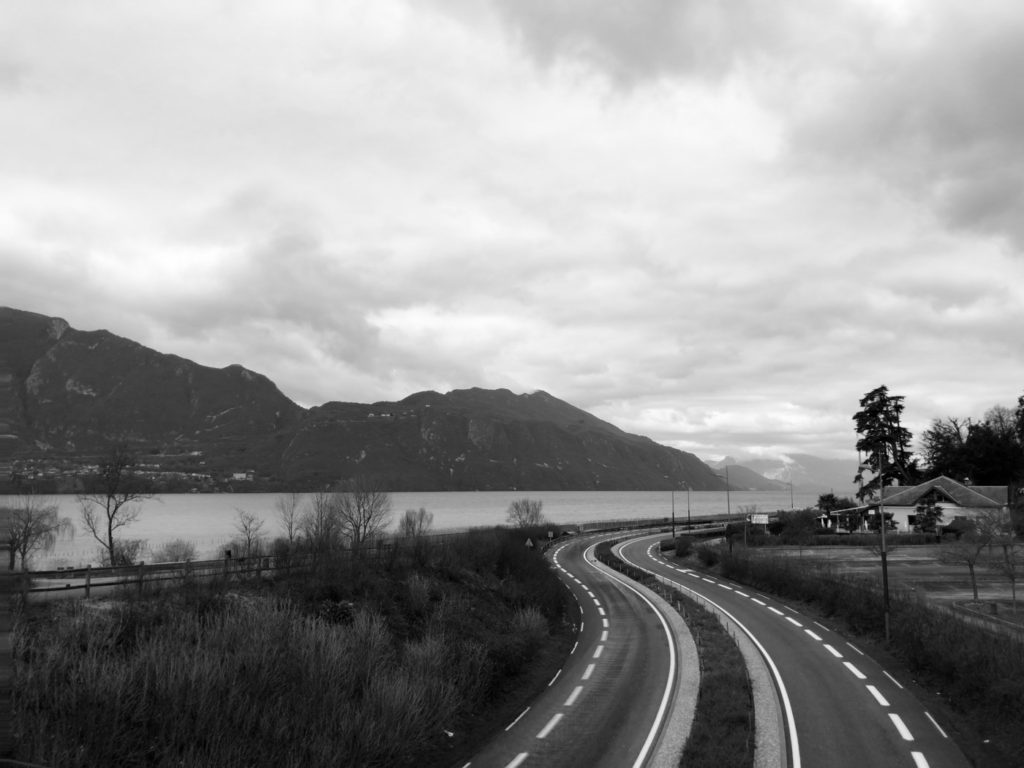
{"x":88,"y":580}
{"x":226,"y":559}
{"x":142,"y":566}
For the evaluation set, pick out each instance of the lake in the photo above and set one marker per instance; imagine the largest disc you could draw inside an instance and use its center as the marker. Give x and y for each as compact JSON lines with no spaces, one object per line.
{"x":208,"y":520}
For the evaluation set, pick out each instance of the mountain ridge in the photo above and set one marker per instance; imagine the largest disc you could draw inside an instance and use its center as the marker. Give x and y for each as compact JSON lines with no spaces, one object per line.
{"x":67,"y":395}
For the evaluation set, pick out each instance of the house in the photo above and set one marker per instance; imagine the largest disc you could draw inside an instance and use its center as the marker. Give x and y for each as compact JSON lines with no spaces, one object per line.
{"x":951,"y":498}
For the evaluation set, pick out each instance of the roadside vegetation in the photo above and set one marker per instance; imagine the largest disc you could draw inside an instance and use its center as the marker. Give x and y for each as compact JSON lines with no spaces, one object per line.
{"x":722,"y":734}
{"x":397,"y":657}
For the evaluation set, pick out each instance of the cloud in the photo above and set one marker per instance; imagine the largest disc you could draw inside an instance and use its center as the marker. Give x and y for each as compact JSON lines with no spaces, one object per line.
{"x":718,"y":224}
{"x":933,"y":107}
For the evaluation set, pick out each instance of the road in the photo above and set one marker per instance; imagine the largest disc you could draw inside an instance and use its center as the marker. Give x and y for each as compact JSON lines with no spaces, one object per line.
{"x":608,"y":705}
{"x":844,"y":709}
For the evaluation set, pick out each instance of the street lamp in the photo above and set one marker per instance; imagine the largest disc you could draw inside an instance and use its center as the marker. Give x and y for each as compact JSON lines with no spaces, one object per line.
{"x":789,"y":474}
{"x":885,"y":554}
{"x":673,"y":513}
{"x":689,"y":525}
{"x":728,"y":501}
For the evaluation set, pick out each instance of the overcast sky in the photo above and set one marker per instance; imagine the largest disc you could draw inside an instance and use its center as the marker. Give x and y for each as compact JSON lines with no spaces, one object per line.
{"x":718,"y":224}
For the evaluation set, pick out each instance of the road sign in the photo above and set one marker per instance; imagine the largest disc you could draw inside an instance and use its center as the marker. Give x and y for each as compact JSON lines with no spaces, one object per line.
{"x":759,"y":519}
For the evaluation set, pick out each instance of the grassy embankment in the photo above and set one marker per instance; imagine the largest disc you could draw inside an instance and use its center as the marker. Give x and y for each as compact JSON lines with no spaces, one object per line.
{"x":400,"y":660}
{"x":722,"y":734}
{"x":979,"y":672}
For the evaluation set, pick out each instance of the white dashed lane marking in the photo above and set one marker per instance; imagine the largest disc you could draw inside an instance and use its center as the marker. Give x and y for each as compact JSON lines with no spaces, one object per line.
{"x":574,"y":695}
{"x":588,"y":671}
{"x":878,"y":696}
{"x":549,"y":727}
{"x":856,"y":672}
{"x":833,"y":651}
{"x":520,"y":759}
{"x":901,"y":727}
{"x":813,"y":636}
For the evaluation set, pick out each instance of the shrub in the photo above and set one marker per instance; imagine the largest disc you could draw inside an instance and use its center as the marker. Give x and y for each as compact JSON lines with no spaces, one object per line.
{"x":684,"y":546}
{"x":708,"y":555}
{"x":177,"y":551}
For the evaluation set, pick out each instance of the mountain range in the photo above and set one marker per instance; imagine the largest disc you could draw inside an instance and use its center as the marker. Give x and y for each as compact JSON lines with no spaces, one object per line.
{"x":67,"y":396}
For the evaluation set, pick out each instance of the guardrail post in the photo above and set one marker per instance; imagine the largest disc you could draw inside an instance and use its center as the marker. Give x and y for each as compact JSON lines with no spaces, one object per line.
{"x":88,"y":580}
{"x":142,"y":571}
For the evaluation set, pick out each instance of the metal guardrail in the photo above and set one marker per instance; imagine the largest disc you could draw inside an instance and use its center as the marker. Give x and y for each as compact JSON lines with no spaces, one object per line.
{"x":89,"y":577}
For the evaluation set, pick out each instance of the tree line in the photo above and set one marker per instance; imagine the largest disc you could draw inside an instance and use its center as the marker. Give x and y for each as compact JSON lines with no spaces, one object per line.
{"x":987,"y":451}
{"x":348,"y":515}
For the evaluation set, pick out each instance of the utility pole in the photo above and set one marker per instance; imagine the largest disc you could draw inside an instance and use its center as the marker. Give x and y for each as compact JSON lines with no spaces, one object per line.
{"x":882,"y":527}
{"x":673,"y":514}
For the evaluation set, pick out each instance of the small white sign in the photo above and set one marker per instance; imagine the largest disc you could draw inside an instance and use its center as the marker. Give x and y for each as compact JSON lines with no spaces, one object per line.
{"x":759,"y":519}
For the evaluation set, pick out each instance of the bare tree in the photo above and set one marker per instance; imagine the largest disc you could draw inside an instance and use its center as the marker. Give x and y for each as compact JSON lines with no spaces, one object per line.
{"x":35,"y":526}
{"x":525,"y":513}
{"x":287,"y":506}
{"x":364,"y":510}
{"x":320,"y":524}
{"x":415,"y":523}
{"x":997,"y":524}
{"x":110,"y":502}
{"x":248,"y":527}
{"x":966,"y":550}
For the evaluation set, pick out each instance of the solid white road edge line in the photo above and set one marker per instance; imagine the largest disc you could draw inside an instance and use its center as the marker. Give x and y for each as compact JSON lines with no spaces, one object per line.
{"x":937,"y":726}
{"x":509,"y":726}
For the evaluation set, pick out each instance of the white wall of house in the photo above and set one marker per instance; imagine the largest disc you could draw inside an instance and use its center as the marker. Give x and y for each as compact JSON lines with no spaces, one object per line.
{"x":901,"y":515}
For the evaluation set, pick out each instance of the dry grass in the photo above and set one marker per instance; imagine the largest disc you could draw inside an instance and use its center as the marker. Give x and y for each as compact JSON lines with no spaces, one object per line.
{"x":315,"y":673}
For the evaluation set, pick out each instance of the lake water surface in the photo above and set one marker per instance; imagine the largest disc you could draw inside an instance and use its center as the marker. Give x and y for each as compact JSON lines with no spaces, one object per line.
{"x":209,"y":520}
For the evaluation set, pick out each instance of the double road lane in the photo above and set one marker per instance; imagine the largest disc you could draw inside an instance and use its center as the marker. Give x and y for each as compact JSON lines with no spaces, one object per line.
{"x":624,"y":689}
{"x":606,"y":707}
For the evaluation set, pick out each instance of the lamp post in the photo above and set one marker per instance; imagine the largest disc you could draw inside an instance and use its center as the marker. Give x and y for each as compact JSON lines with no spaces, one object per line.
{"x":885,"y":554}
{"x":689,"y":526}
{"x":673,"y":514}
{"x":728,"y":501}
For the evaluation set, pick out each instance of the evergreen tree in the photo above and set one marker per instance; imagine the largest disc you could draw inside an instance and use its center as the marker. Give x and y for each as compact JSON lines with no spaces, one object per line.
{"x":884,"y":442}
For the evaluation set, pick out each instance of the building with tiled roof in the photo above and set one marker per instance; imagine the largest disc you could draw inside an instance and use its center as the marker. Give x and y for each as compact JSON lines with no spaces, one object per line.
{"x":952,"y":498}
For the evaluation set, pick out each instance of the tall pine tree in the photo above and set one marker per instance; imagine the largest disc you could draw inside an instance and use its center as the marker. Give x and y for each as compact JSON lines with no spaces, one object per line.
{"x":884,"y":442}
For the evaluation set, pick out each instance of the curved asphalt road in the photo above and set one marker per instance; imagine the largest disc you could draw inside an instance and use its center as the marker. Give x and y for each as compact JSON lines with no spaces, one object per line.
{"x":606,"y":706}
{"x":846,"y":710}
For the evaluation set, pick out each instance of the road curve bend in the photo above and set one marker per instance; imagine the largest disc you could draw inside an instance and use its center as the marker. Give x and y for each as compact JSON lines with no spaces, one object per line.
{"x":626,"y":691}
{"x":846,"y":710}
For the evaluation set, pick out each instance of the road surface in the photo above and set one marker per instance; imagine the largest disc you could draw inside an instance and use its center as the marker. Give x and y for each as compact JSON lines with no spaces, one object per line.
{"x":609,"y":704}
{"x":845,"y":710}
